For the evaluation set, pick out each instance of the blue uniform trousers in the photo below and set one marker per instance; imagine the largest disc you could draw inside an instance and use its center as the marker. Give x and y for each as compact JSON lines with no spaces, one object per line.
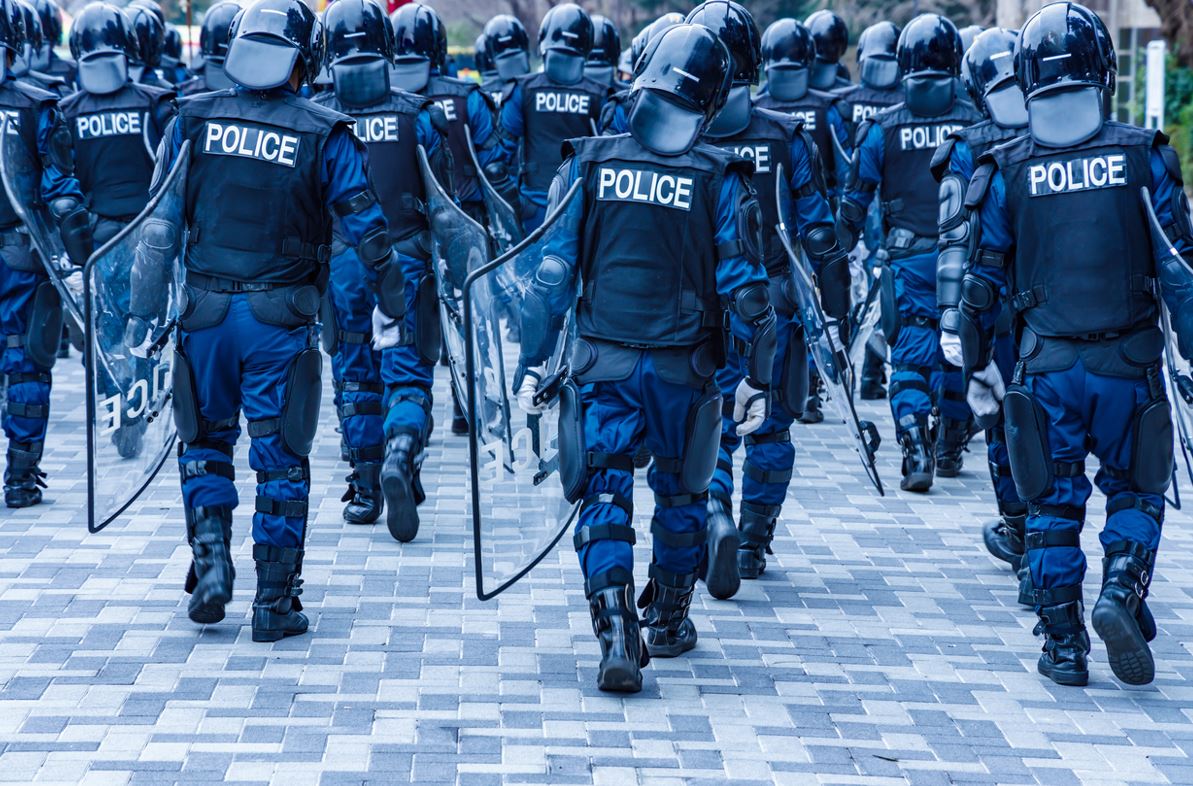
{"x":1005,"y":355}
{"x":355,"y":365}
{"x":28,"y":407}
{"x":406,"y":374}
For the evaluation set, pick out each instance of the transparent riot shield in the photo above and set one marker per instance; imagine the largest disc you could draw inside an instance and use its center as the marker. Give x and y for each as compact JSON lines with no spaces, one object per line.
{"x":21,"y":174}
{"x":505,"y":226}
{"x":518,"y":506}
{"x":459,"y":246}
{"x":1178,"y":370}
{"x":822,"y":336}
{"x":131,"y":299}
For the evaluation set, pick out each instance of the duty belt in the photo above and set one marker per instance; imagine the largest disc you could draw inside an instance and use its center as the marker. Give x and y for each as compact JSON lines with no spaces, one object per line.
{"x":219,"y":284}
{"x":292,"y":248}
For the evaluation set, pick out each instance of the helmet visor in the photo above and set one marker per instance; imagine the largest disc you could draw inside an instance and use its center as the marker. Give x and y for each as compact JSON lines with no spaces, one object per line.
{"x":103,"y":73}
{"x":563,"y":67}
{"x":663,"y":126}
{"x":260,"y":63}
{"x":361,"y":81}
{"x":215,"y":78}
{"x":411,"y":74}
{"x":785,"y":83}
{"x":512,"y":64}
{"x":1059,"y":118}
{"x":929,"y":96}
{"x":599,"y":73}
{"x":1006,"y":106}
{"x":880,"y":72}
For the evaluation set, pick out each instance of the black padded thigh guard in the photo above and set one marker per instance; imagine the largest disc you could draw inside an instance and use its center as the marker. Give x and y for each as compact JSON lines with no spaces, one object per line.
{"x":889,"y":304}
{"x":702,"y":444}
{"x":428,"y":331}
{"x":44,"y":327}
{"x":1152,"y":456}
{"x":300,"y":403}
{"x":793,"y":386}
{"x":1027,"y":443}
{"x":187,"y":419}
{"x":573,"y":450}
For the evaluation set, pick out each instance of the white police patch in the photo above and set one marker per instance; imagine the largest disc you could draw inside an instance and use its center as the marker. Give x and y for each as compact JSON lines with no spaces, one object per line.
{"x":14,"y":120}
{"x":1077,"y":174}
{"x":448,"y":105}
{"x":759,"y":154}
{"x":566,"y":103}
{"x":864,"y":112}
{"x":103,"y":124}
{"x":233,"y":139}
{"x":806,"y":115}
{"x":377,"y":128}
{"x":615,"y":184}
{"x":927,"y":137}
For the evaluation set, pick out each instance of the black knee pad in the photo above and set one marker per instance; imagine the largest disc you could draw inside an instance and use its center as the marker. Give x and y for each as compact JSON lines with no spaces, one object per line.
{"x":300,"y":406}
{"x":793,"y":385}
{"x":186,"y":400}
{"x":1027,"y":443}
{"x":573,"y":450}
{"x":428,"y":332}
{"x":330,"y":333}
{"x":890,"y":306}
{"x":702,"y":444}
{"x":44,"y":328}
{"x":1151,"y":449}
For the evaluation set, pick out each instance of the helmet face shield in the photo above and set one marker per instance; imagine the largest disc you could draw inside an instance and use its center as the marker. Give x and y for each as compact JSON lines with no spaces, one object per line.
{"x":361,"y":81}
{"x":1066,"y":116}
{"x":215,"y":78}
{"x":512,"y":64}
{"x":930,"y":95}
{"x":880,"y":72}
{"x":563,"y":67}
{"x":597,"y":72}
{"x":734,"y":116}
{"x":260,"y":62}
{"x":103,"y":72}
{"x":662,"y":125}
{"x":787,"y":83}
{"x":1006,"y":106}
{"x":411,"y":74}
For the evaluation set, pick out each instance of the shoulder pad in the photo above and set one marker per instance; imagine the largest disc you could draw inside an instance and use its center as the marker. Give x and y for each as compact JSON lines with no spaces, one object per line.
{"x":1172,"y":162}
{"x":940,"y":159}
{"x":808,"y":140}
{"x":438,"y":118}
{"x":571,"y":147}
{"x":979,"y":184}
{"x":743,"y":166}
{"x":862,"y":132}
{"x":35,"y":94}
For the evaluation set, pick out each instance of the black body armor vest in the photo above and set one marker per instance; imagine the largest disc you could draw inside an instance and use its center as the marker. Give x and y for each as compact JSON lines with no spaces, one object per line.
{"x":552,"y":114}
{"x":1083,"y":255}
{"x":389,"y":131}
{"x":255,"y":201}
{"x":861,"y":102}
{"x":452,"y":97}
{"x":115,"y":138}
{"x":812,"y":109}
{"x":648,"y":254}
{"x":21,"y":103}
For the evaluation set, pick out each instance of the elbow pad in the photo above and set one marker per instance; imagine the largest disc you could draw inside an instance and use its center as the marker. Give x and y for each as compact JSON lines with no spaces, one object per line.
{"x":956,"y":240}
{"x":391,"y":287}
{"x":977,"y":297}
{"x":74,"y":225}
{"x":539,"y":325}
{"x":752,"y":305}
{"x":820,"y":243}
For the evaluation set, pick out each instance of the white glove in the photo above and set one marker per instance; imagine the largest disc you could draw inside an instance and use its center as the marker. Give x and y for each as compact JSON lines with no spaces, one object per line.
{"x":74,"y":282}
{"x":749,"y":408}
{"x":950,"y":345}
{"x":528,"y":387}
{"x":387,"y":332}
{"x":986,"y":392}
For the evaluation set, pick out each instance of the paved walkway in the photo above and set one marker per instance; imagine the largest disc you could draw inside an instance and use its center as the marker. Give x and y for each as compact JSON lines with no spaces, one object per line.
{"x":882,"y":647}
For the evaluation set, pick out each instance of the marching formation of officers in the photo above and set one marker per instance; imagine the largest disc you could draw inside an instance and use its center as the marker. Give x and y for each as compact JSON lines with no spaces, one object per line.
{"x":1024,"y":250}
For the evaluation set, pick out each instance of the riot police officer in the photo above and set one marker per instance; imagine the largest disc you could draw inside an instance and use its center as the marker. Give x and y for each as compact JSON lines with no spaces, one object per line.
{"x":46,"y":60}
{"x":150,"y":31}
{"x":22,"y":67}
{"x":988,"y":73}
{"x":774,"y":143}
{"x":30,"y":309}
{"x":392,"y":124}
{"x":490,"y":79}
{"x":831,"y":37}
{"x":545,"y":109}
{"x":267,"y":171}
{"x":789,"y":57}
{"x":1062,"y":227}
{"x":601,"y":65}
{"x":657,"y":267}
{"x":214,"y":35}
{"x":894,"y":150}
{"x":174,"y":70}
{"x":969,"y":34}
{"x":508,"y":47}
{"x":878,"y":87}
{"x":615,"y":111}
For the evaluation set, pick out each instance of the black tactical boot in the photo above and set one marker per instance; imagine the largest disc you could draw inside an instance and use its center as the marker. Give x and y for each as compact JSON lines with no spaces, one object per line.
{"x":459,"y":421}
{"x":951,"y":443}
{"x":757,"y":531}
{"x":721,"y":575}
{"x":1004,"y":537}
{"x":665,"y":624}
{"x":873,"y":376}
{"x":1126,"y":574}
{"x":209,"y":580}
{"x":615,"y":623}
{"x":277,"y":611}
{"x":918,"y":462}
{"x":1065,"y":659}
{"x":812,"y":412}
{"x":129,"y":437}
{"x":364,"y":494}
{"x":64,"y":343}
{"x":403,"y":490}
{"x":23,"y":478}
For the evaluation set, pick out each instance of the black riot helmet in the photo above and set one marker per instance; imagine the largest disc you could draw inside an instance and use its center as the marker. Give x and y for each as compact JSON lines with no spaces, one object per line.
{"x":269,"y":38}
{"x":153,"y":7}
{"x":788,"y":52}
{"x":684,"y":79}
{"x":360,"y":47}
{"x":51,"y":21}
{"x":508,"y":46}
{"x":172,"y":51}
{"x":877,"y":59}
{"x":102,"y":41}
{"x":1064,"y":69}
{"x":969,"y":34}
{"x":565,"y":39}
{"x":641,"y":42}
{"x":12,"y":32}
{"x":216,"y":31}
{"x":1108,"y":52}
{"x":33,"y":41}
{"x":150,"y":35}
{"x":480,"y":55}
{"x":988,"y":73}
{"x":605,"y":52}
{"x":832,"y":39}
{"x":929,"y":54}
{"x":420,"y":45}
{"x":736,"y":28}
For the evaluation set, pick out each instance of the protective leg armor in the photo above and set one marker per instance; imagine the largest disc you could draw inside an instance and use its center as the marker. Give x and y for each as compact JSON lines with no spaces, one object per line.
{"x":209,"y":580}
{"x":1065,"y":659}
{"x":919,"y":463}
{"x":277,"y":611}
{"x":757,"y":525}
{"x":615,"y":623}
{"x":665,"y":602}
{"x":1126,"y":574}
{"x":721,"y":576}
{"x":23,"y":478}
{"x":44,"y":330}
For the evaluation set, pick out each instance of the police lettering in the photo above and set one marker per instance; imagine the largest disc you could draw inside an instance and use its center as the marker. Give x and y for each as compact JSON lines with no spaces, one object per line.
{"x":808,"y":116}
{"x":377,"y":128}
{"x":568,"y":103}
{"x":449,"y":108}
{"x":227,"y":139}
{"x":759,"y":154}
{"x":108,"y":124}
{"x":925,"y":137}
{"x":1078,"y":174}
{"x":14,"y":120}
{"x":653,"y":188}
{"x":864,"y":112}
